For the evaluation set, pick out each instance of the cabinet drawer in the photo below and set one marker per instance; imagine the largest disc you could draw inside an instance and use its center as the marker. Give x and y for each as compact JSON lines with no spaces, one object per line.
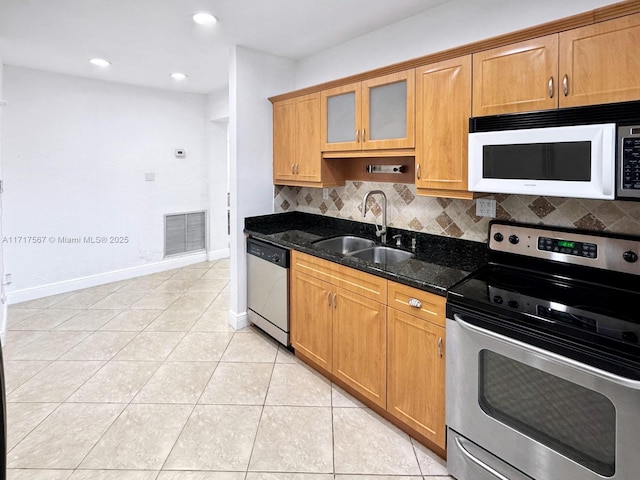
{"x":365,"y":284}
{"x":429,"y":307}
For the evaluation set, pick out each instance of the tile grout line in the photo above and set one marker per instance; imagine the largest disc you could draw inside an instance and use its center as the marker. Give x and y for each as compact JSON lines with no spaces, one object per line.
{"x":264,"y":403}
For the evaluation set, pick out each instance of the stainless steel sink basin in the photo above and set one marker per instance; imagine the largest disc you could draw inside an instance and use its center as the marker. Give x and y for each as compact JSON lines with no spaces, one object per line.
{"x":344,"y":244}
{"x":383,"y":255}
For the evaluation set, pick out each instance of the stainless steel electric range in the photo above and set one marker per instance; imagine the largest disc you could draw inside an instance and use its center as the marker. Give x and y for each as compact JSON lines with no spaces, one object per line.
{"x":543,"y":358}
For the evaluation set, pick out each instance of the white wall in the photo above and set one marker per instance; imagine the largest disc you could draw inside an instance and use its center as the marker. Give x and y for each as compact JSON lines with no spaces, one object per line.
{"x":445,"y":26}
{"x":253,"y":77}
{"x":75,"y":154}
{"x":217,"y":137}
{"x":3,"y":303}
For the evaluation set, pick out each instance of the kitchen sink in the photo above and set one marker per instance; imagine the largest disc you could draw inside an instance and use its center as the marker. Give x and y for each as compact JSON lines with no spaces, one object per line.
{"x":383,"y":255}
{"x":344,"y":244}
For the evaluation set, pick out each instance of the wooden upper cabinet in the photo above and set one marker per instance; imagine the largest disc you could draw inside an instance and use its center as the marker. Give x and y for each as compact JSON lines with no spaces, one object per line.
{"x":370,"y":115}
{"x":443,"y":99}
{"x":297,"y":159}
{"x":307,"y":121}
{"x":601,"y":62}
{"x":284,"y":147}
{"x":590,"y":65}
{"x":516,"y":78}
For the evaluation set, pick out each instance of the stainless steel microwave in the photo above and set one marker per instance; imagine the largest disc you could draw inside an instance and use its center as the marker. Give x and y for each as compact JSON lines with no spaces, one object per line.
{"x":583,"y":152}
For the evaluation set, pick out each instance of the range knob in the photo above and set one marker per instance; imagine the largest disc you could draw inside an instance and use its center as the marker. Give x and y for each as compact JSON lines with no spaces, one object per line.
{"x":513,"y":239}
{"x":498,"y":237}
{"x":630,"y":256}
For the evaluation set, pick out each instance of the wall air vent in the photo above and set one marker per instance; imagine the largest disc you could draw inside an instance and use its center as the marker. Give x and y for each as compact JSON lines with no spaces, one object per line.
{"x":184,"y":233}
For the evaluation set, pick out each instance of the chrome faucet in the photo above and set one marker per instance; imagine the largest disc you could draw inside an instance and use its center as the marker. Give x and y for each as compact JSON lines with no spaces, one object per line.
{"x":380,"y":232}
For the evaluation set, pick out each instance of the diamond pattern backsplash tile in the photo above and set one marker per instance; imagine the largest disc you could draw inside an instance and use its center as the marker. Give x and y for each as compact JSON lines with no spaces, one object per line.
{"x":457,"y":218}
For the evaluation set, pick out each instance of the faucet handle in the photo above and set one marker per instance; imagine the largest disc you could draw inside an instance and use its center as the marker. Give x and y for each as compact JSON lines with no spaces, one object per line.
{"x":398,"y":239}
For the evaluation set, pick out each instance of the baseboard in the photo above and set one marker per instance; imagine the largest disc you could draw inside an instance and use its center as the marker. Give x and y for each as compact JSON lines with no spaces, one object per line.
{"x":102,"y":278}
{"x":218,"y":254}
{"x":238,"y":320}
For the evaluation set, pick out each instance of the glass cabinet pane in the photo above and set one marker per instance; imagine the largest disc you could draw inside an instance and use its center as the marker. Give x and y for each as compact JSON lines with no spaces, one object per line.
{"x":388,"y":111}
{"x":341,"y":118}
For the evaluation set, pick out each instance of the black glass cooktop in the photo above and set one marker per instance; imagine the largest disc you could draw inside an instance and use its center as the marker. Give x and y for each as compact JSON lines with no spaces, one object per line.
{"x":592,"y":319}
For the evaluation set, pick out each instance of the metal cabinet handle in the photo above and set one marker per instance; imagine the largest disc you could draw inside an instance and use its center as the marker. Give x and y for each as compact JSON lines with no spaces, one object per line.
{"x":357,"y":136}
{"x":551,"y":87}
{"x":418,"y":171}
{"x":565,"y":85}
{"x":414,"y":302}
{"x":293,"y":169}
{"x":364,"y":136}
{"x":334,"y":299}
{"x":479,"y":463}
{"x":440,"y":347}
{"x":297,"y":165}
{"x":329,"y":299}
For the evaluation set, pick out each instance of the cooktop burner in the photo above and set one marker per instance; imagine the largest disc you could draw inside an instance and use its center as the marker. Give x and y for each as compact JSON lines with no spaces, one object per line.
{"x":533,"y":292}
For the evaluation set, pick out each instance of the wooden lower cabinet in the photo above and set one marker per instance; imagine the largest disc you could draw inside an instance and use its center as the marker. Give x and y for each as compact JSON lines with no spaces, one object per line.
{"x":382,"y":340}
{"x":338,"y":330}
{"x":359,"y":345}
{"x":312,"y":319}
{"x":416,"y":374}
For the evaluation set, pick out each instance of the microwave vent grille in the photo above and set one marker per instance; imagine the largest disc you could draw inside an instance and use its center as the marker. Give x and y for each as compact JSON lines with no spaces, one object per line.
{"x":620,"y":113}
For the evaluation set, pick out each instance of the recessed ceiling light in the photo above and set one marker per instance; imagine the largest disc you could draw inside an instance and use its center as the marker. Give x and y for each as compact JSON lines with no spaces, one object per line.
{"x":100,"y":62}
{"x":178,"y":76}
{"x":203,"y":18}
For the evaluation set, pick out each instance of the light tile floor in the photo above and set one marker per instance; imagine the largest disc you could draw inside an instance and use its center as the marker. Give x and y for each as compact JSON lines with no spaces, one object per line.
{"x":144,"y":380}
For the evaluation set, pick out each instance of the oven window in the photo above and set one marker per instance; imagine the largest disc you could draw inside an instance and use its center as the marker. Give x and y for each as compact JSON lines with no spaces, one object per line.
{"x":568,"y":418}
{"x":565,"y":161}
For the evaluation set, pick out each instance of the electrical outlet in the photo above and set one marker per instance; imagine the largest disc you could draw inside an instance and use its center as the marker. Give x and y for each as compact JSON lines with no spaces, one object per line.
{"x":325,"y":194}
{"x":486,"y":207}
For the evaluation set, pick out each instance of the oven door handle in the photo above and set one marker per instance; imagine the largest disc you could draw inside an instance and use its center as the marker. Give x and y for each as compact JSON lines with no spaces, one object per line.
{"x":479,"y":462}
{"x":569,"y":362}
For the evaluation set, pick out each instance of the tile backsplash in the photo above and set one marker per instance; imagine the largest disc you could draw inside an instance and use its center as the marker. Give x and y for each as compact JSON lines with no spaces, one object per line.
{"x":457,"y":218}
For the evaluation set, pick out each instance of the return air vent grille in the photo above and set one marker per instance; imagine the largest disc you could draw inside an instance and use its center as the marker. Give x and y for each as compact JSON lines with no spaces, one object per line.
{"x":184,"y":233}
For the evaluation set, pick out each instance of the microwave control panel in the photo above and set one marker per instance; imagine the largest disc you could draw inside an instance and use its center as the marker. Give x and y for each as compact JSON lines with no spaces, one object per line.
{"x":629,"y":161}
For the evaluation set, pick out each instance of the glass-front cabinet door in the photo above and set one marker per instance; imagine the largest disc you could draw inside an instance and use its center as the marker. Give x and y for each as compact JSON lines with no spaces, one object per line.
{"x":388,"y":111}
{"x":341,"y":118}
{"x":370,"y":115}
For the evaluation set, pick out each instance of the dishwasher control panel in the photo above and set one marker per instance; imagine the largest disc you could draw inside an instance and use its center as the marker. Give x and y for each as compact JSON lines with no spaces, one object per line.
{"x":270,"y":253}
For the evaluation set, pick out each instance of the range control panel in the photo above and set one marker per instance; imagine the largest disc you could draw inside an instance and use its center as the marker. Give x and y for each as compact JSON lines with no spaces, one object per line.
{"x":599,"y":250}
{"x":568,"y":247}
{"x":628,"y":161}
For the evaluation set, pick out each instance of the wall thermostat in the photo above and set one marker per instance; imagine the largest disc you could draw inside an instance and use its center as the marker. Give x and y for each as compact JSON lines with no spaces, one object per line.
{"x":180,"y":153}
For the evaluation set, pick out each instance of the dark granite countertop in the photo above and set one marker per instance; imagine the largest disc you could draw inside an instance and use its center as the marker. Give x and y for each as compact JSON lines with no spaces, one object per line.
{"x":439,"y":262}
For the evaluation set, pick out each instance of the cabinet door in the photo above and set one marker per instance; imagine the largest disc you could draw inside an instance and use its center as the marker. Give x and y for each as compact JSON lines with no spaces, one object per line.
{"x":443,"y":96}
{"x":359,"y":345}
{"x":388,"y":111}
{"x":416,"y":374}
{"x":516,"y":78}
{"x":340,"y":114}
{"x":601,"y":62}
{"x":307,"y":138}
{"x":284,"y":120}
{"x":311,"y":316}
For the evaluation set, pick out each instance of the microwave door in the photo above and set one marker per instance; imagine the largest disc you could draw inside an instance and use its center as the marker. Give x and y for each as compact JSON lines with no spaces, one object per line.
{"x":559,"y":161}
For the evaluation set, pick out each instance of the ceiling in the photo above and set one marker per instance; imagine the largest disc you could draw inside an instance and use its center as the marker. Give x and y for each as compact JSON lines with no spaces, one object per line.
{"x":147,"y":40}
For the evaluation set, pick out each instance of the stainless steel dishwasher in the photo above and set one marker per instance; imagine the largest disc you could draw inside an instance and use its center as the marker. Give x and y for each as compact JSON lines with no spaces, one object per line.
{"x":268,"y":288}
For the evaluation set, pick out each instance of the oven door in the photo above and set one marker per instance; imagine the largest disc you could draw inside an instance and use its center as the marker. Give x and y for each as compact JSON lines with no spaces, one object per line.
{"x":543,"y":414}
